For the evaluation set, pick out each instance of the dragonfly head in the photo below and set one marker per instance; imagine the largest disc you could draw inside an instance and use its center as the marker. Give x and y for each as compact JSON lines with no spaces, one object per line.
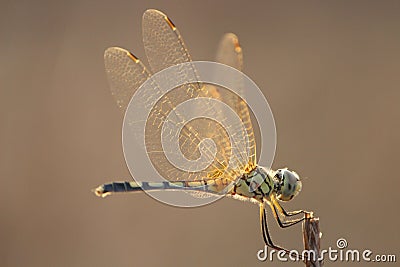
{"x":288,"y":184}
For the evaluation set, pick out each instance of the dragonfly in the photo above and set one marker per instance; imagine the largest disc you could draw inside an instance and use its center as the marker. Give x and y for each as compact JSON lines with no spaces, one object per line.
{"x":263,"y":186}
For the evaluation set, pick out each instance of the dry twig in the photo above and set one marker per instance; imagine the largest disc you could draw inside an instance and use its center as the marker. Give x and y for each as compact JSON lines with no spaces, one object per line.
{"x":311,"y":238}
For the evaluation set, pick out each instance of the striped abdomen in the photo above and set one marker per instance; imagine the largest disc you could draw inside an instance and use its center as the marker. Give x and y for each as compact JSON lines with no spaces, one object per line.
{"x":213,"y":186}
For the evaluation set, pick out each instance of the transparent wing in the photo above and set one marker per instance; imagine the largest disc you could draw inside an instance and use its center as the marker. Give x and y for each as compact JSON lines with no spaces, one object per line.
{"x":165,"y":47}
{"x":125,"y":74}
{"x":163,"y":43}
{"x":230,"y":53}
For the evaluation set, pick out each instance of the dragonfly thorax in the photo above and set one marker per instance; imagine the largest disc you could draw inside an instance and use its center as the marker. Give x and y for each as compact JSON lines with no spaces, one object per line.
{"x":256,"y":185}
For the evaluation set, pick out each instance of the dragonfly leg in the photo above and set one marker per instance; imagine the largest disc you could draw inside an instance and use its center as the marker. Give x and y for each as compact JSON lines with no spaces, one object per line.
{"x":265,"y":233}
{"x":283,"y":211}
{"x":286,"y":223}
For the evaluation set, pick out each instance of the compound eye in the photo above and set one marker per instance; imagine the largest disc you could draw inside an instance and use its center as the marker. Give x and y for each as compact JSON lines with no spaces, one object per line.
{"x":290,"y":185}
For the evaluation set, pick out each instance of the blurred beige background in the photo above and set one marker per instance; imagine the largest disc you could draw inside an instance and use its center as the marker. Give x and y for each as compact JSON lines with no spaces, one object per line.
{"x":329,"y":69}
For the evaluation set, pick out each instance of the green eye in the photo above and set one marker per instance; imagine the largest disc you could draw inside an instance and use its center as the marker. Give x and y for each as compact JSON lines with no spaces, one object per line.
{"x":290,"y":184}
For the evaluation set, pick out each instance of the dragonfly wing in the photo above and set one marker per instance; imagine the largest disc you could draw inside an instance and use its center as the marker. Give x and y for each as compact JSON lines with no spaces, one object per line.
{"x":163,"y":43}
{"x":165,"y":47}
{"x":230,"y":53}
{"x":125,"y":74}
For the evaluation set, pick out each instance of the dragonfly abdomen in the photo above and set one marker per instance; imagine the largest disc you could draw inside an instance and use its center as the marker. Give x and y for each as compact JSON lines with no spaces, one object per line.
{"x":214,"y":186}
